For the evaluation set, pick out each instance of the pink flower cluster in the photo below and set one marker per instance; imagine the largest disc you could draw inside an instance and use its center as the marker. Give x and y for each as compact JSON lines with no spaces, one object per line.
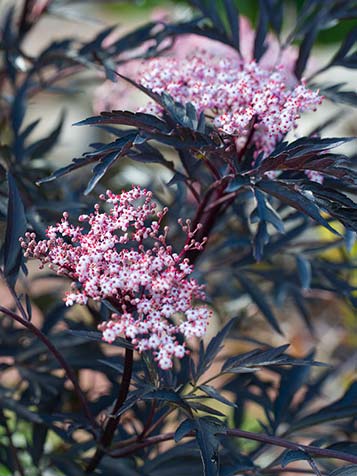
{"x":239,"y":95}
{"x":124,"y":258}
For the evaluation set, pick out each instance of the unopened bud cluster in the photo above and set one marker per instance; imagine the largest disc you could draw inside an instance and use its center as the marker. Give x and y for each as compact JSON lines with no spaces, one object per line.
{"x":123,"y":257}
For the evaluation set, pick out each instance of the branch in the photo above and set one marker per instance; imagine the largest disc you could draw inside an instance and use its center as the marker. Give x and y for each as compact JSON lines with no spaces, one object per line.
{"x":60,"y":359}
{"x":207,"y":216}
{"x":228,"y":197}
{"x":277,"y":441}
{"x":152,"y":440}
{"x":267,"y":439}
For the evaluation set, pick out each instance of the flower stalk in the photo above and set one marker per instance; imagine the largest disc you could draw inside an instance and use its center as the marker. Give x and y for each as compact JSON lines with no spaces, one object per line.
{"x":114,"y":418}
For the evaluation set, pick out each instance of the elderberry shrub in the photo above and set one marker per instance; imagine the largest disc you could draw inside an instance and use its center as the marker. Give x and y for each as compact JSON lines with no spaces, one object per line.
{"x":183,"y":292}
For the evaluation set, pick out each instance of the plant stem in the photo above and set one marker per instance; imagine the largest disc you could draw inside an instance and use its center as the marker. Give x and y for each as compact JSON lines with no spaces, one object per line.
{"x":60,"y":359}
{"x":212,"y":168}
{"x":152,"y":440}
{"x":282,"y":442}
{"x":289,"y":470}
{"x":134,"y":439}
{"x":206,"y":218}
{"x":114,"y":418}
{"x":267,"y":439}
{"x":149,"y":421}
{"x":160,"y":420}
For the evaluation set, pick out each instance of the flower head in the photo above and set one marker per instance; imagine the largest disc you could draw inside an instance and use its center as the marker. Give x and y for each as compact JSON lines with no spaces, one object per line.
{"x":239,"y":95}
{"x":124,"y":258}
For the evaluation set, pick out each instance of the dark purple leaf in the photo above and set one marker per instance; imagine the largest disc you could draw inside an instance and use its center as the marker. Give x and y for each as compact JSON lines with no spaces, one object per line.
{"x":15,"y":228}
{"x":348,"y":43}
{"x":41,"y":147}
{"x":289,"y":456}
{"x":259,"y":300}
{"x":214,"y":393}
{"x":292,"y":196}
{"x":233,"y":20}
{"x":305,"y":50}
{"x":140,"y":120}
{"x":304,"y":270}
{"x":260,"y":45}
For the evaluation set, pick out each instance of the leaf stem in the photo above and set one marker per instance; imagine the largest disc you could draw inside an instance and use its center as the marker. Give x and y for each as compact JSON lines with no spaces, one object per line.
{"x":160,"y":420}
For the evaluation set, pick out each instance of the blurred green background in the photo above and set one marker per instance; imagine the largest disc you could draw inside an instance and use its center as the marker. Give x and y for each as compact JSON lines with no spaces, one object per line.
{"x":246,"y":7}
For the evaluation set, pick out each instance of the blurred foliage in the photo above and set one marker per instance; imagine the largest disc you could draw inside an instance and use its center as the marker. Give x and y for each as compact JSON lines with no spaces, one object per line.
{"x":250,"y":9}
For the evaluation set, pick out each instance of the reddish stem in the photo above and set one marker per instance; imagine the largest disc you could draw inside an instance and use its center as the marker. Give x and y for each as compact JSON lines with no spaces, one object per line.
{"x":24,"y":24}
{"x":134,"y":439}
{"x":114,"y":418}
{"x":267,"y":439}
{"x":149,"y":421}
{"x":206,"y":217}
{"x":212,"y":168}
